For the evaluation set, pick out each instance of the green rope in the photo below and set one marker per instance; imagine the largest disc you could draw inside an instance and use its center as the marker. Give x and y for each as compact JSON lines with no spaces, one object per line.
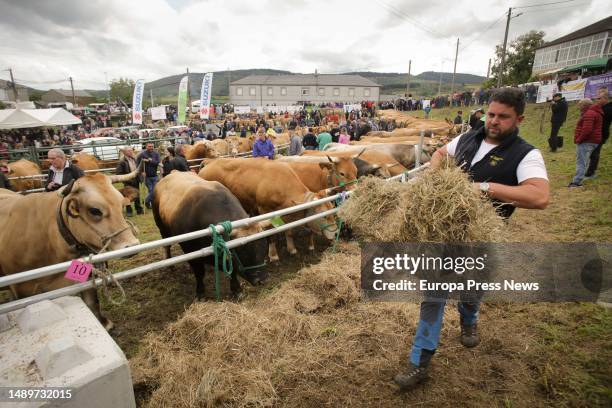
{"x":221,"y":250}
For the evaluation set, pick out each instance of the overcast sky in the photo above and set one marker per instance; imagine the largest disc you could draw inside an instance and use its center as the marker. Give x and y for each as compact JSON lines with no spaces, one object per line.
{"x":45,"y":42}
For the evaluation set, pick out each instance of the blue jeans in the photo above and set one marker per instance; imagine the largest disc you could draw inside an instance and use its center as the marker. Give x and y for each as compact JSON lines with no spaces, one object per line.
{"x":427,"y":335}
{"x":583,"y":155}
{"x":150,"y":182}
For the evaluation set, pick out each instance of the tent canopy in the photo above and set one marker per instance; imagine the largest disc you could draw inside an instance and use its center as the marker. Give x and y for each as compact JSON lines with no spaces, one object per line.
{"x":592,"y":64}
{"x":27,"y":118}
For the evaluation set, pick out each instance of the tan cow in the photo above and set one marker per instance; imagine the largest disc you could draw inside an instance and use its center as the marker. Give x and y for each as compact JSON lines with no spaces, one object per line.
{"x":325,"y":174}
{"x":21,"y":168}
{"x":200,"y":150}
{"x":85,"y":161}
{"x":241,"y":144}
{"x":262,"y":186}
{"x":380,"y":159}
{"x":221,"y":147}
{"x":48,"y":228}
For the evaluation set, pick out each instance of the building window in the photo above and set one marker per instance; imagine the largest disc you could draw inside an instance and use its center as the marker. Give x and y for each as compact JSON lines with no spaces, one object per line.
{"x":252,"y":91}
{"x":270,"y":92}
{"x":305,"y":91}
{"x":321,"y":91}
{"x":366,"y":91}
{"x":239,"y":91}
{"x":283,"y":90}
{"x":336,"y":91}
{"x":351,"y":91}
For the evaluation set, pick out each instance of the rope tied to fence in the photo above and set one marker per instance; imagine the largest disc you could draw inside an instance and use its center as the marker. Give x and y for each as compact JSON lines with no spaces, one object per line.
{"x":220,"y":250}
{"x":107,"y":278}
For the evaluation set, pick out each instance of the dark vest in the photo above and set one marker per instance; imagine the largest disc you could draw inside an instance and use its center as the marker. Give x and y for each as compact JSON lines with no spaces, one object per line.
{"x":497,"y":166}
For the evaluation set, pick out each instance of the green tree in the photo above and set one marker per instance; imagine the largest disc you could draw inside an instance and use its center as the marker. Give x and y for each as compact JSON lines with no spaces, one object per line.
{"x":519,"y":59}
{"x":122,"y":88}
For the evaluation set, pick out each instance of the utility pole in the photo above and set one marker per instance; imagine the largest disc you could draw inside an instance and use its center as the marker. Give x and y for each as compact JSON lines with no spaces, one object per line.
{"x":440,"y":83}
{"x":454,"y":70}
{"x":489,"y":68}
{"x":229,"y":82}
{"x":503,"y":57}
{"x":73,"y":97}
{"x":408,"y":81}
{"x":14,"y":86}
{"x":107,"y":88}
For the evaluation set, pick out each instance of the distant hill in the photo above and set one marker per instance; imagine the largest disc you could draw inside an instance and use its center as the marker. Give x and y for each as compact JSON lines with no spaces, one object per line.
{"x":448,"y":77}
{"x":168,"y":86}
{"x":392,"y":82}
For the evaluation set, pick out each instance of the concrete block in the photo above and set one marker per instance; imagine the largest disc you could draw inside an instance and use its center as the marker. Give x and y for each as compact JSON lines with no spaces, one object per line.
{"x":59,"y":356}
{"x":39,"y":315}
{"x":5,"y":323}
{"x":72,"y":351}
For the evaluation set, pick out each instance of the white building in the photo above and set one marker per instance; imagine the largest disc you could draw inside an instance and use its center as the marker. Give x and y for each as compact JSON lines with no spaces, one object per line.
{"x":584,"y":45}
{"x":262,"y":90}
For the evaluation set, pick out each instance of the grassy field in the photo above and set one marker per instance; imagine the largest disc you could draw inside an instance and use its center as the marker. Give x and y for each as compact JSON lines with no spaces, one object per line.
{"x":542,"y":354}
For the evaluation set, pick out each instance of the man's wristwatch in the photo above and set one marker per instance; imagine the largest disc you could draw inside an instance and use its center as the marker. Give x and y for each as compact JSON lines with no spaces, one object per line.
{"x":484,"y":187}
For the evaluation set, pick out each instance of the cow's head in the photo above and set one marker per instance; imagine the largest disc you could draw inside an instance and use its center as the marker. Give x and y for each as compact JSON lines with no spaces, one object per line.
{"x":252,"y":256}
{"x":92,"y":210}
{"x":326,"y":226}
{"x":342,"y":170}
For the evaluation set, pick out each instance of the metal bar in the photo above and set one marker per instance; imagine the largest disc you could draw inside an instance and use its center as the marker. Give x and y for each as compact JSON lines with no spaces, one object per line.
{"x":45,"y":176}
{"x":61,"y":267}
{"x":207,"y":251}
{"x":120,"y":253}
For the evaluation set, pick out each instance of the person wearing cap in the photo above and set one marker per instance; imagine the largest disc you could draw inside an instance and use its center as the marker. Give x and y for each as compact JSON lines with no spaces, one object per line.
{"x":475,"y":119}
{"x":125,"y":166}
{"x":458,"y":119}
{"x":559,"y":114}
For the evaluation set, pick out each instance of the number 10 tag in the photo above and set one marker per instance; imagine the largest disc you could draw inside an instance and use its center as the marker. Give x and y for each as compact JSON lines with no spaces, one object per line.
{"x":78,"y":271}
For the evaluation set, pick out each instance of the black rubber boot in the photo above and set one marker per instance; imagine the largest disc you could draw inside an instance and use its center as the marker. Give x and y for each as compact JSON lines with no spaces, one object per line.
{"x":469,"y":335}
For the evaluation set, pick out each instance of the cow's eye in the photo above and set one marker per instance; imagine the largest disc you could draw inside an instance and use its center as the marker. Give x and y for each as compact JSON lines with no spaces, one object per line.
{"x":95,"y":212}
{"x":342,"y":174}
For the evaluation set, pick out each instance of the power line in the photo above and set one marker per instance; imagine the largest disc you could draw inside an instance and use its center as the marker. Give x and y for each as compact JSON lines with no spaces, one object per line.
{"x":557,"y":8}
{"x":485,"y":30}
{"x":543,"y":4}
{"x":402,"y":15}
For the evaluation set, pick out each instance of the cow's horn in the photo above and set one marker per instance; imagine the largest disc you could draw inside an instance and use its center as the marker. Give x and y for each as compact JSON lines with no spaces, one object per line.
{"x":360,"y":153}
{"x":120,"y":178}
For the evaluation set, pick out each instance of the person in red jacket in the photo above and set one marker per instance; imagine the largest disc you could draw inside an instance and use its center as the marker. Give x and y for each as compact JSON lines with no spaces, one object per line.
{"x":586,"y":137}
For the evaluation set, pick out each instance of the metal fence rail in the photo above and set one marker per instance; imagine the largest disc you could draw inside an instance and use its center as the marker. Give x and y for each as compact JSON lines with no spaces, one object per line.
{"x":76,"y":288}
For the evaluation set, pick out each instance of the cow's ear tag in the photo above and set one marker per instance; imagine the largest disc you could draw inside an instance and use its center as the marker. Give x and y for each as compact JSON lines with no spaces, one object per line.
{"x":78,"y":271}
{"x":277,"y":221}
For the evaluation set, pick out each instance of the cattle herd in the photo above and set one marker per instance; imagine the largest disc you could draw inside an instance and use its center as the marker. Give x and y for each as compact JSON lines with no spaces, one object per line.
{"x":87,"y":215}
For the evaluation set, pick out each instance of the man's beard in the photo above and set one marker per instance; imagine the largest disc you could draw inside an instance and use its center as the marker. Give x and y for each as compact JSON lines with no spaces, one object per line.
{"x":499,"y":136}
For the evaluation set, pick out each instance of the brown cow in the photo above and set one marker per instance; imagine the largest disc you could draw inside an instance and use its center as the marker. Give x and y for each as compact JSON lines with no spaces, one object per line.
{"x":85,"y":161}
{"x":324,"y":174}
{"x":200,"y":150}
{"x":48,"y":228}
{"x":380,"y":159}
{"x":21,"y":168}
{"x":264,"y":186}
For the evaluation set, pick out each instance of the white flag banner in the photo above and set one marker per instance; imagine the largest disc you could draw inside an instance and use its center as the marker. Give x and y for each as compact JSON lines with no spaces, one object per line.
{"x":137,"y":102}
{"x":158,"y":113}
{"x":546,"y":92}
{"x":205,"y":95}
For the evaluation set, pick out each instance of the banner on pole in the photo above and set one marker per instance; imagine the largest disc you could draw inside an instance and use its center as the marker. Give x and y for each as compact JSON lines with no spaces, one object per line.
{"x":137,"y":102}
{"x":546,"y":92}
{"x":574,"y":90}
{"x":158,"y":113}
{"x":205,"y":94}
{"x":596,"y":82}
{"x":182,"y":99}
{"x":242,"y":110}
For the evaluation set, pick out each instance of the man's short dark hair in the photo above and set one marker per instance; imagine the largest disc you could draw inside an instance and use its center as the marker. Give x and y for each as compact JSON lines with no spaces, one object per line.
{"x":512,"y":97}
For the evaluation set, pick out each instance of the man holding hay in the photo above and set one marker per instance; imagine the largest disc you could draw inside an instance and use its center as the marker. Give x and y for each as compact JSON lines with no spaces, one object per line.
{"x":512,"y":174}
